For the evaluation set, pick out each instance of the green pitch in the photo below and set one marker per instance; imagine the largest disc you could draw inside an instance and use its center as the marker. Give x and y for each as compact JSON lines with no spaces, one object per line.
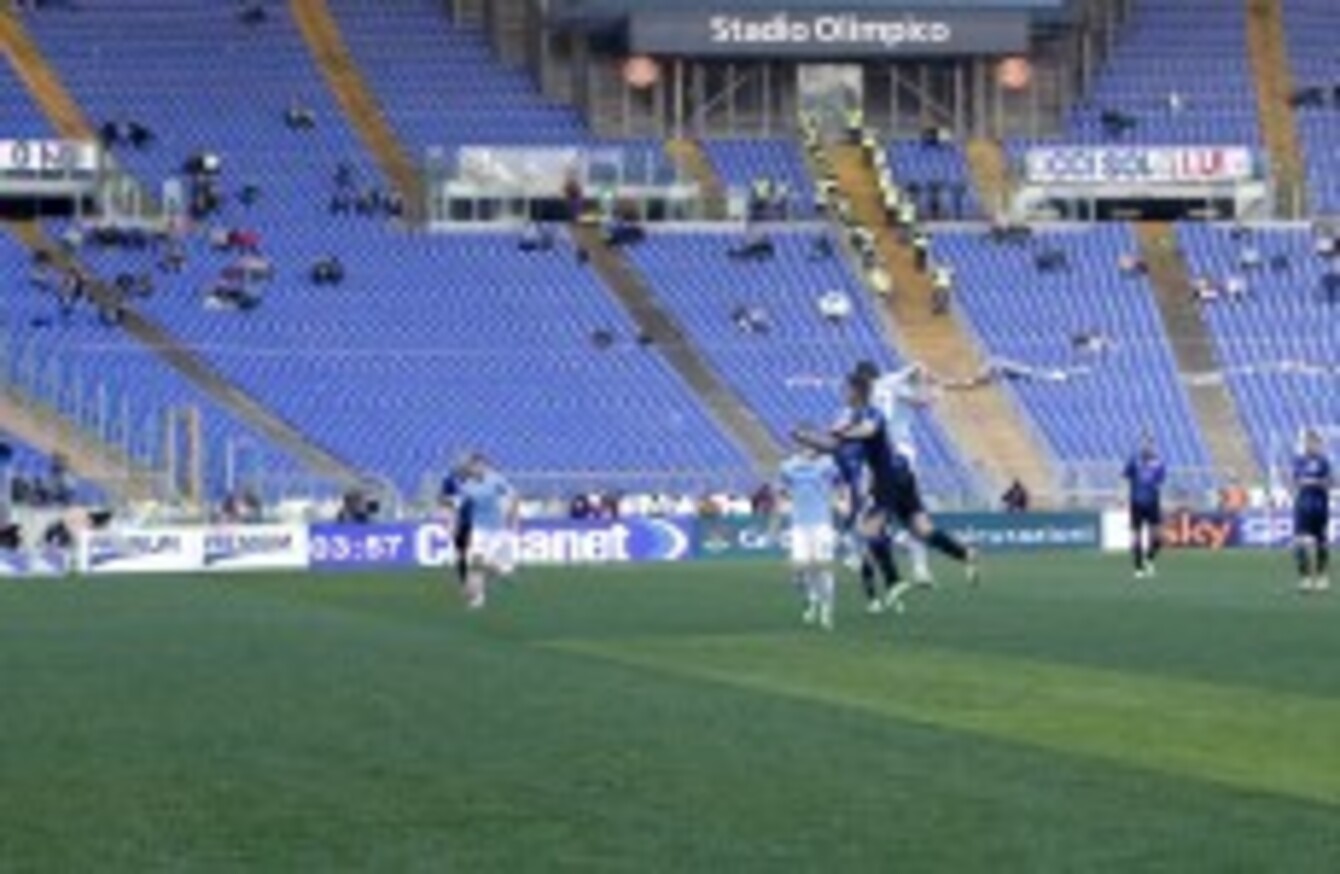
{"x":1060,"y":719}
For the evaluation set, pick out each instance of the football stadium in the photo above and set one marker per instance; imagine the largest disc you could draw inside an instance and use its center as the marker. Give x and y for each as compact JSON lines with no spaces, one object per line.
{"x":685,"y":436}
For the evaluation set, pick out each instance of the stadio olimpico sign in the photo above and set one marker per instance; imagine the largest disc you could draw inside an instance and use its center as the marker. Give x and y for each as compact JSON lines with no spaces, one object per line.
{"x":827,"y":34}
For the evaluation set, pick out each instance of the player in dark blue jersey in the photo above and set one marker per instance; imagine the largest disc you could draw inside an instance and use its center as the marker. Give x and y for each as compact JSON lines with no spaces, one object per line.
{"x":873,"y":554}
{"x":1145,"y":474}
{"x":1312,"y":514}
{"x":892,"y":491}
{"x":461,"y":515}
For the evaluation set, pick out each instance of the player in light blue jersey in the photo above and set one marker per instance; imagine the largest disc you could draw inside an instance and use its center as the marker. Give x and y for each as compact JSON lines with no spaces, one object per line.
{"x":492,"y":503}
{"x":812,"y":481}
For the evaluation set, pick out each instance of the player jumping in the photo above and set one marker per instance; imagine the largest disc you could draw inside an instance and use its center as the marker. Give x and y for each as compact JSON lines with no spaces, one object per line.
{"x":893,"y":489}
{"x":898,"y":395}
{"x":1145,"y":474}
{"x":493,"y":510}
{"x":869,"y":554}
{"x":811,"y":481}
{"x":1312,"y":514}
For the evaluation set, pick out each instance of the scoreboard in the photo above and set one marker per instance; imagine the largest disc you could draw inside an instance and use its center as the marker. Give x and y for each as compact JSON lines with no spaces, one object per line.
{"x":35,"y":168}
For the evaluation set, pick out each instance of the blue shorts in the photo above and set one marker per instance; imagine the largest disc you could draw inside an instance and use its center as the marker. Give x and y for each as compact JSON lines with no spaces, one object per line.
{"x":1312,"y":521}
{"x":1143,"y":515}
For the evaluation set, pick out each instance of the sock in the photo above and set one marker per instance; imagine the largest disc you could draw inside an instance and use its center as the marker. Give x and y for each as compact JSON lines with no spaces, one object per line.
{"x":808,"y":585}
{"x":942,"y":542}
{"x":1155,"y":544}
{"x":868,"y":578}
{"x":881,"y":551}
{"x":475,"y":586}
{"x":1138,"y":550}
{"x":827,"y":587}
{"x":921,"y":559}
{"x":1302,"y":555}
{"x":1323,"y":558}
{"x":462,"y":567}
{"x":800,"y":582}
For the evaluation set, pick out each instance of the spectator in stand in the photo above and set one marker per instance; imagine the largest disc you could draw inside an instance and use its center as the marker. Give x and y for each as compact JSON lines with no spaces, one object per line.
{"x":579,"y":508}
{"x":821,"y":249}
{"x":835,"y":307}
{"x":356,"y":508}
{"x":1203,"y":290}
{"x":1324,"y":245}
{"x":1016,"y":498}
{"x":757,"y":246}
{"x":921,"y":249}
{"x":173,"y":258}
{"x":253,"y":14}
{"x":602,"y":339}
{"x":298,"y":116}
{"x":1092,"y":342}
{"x":751,"y":319}
{"x":328,"y":271}
{"x":1235,"y":287}
{"x":942,"y":289}
{"x":1233,"y":497}
{"x":764,"y":501}
{"x":1051,"y":260}
{"x":1249,"y":258}
{"x":244,"y":240}
{"x":536,"y":237}
{"x":1132,"y":265}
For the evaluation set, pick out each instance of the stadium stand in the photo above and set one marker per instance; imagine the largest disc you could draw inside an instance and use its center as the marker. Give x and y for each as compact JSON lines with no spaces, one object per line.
{"x":1180,"y":74}
{"x":760,"y":322}
{"x":1090,"y":401}
{"x":1311,"y":26}
{"x":1277,"y":341}
{"x":936,"y":174}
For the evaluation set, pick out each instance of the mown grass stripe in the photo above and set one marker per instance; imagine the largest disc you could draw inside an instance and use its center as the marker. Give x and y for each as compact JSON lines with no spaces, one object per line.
{"x":1247,"y":738}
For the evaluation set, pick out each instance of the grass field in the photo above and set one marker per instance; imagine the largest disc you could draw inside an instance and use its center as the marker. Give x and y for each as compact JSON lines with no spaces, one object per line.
{"x":1060,"y":719}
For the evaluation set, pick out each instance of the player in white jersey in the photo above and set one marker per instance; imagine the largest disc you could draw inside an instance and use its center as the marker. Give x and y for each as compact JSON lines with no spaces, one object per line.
{"x":898,"y":395}
{"x":811,"y":482}
{"x":492,"y":539}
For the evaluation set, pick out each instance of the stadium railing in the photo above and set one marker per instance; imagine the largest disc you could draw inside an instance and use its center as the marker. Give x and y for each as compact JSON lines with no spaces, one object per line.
{"x":1098,"y":484}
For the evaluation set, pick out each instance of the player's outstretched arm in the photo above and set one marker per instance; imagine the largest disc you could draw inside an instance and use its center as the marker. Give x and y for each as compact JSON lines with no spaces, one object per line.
{"x":816,"y":440}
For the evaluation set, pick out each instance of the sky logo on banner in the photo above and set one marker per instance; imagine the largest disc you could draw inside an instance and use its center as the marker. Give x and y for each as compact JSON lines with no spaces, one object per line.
{"x":258,"y":548}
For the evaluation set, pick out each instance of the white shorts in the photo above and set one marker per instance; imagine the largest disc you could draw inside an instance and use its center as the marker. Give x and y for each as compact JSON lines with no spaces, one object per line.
{"x":813,"y":544}
{"x":495,"y":549}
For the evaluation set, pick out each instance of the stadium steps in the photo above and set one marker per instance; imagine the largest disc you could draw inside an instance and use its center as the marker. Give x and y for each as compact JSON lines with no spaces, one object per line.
{"x":42,"y":426}
{"x":988,"y":428}
{"x":693,"y":162}
{"x":654,"y":321}
{"x":990,"y":174}
{"x":1216,"y":411}
{"x":1268,"y":48}
{"x":41,"y":79}
{"x":228,"y":396}
{"x":321,"y":33}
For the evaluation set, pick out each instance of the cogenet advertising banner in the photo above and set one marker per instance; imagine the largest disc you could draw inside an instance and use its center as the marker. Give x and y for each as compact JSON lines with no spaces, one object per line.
{"x":999,"y":532}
